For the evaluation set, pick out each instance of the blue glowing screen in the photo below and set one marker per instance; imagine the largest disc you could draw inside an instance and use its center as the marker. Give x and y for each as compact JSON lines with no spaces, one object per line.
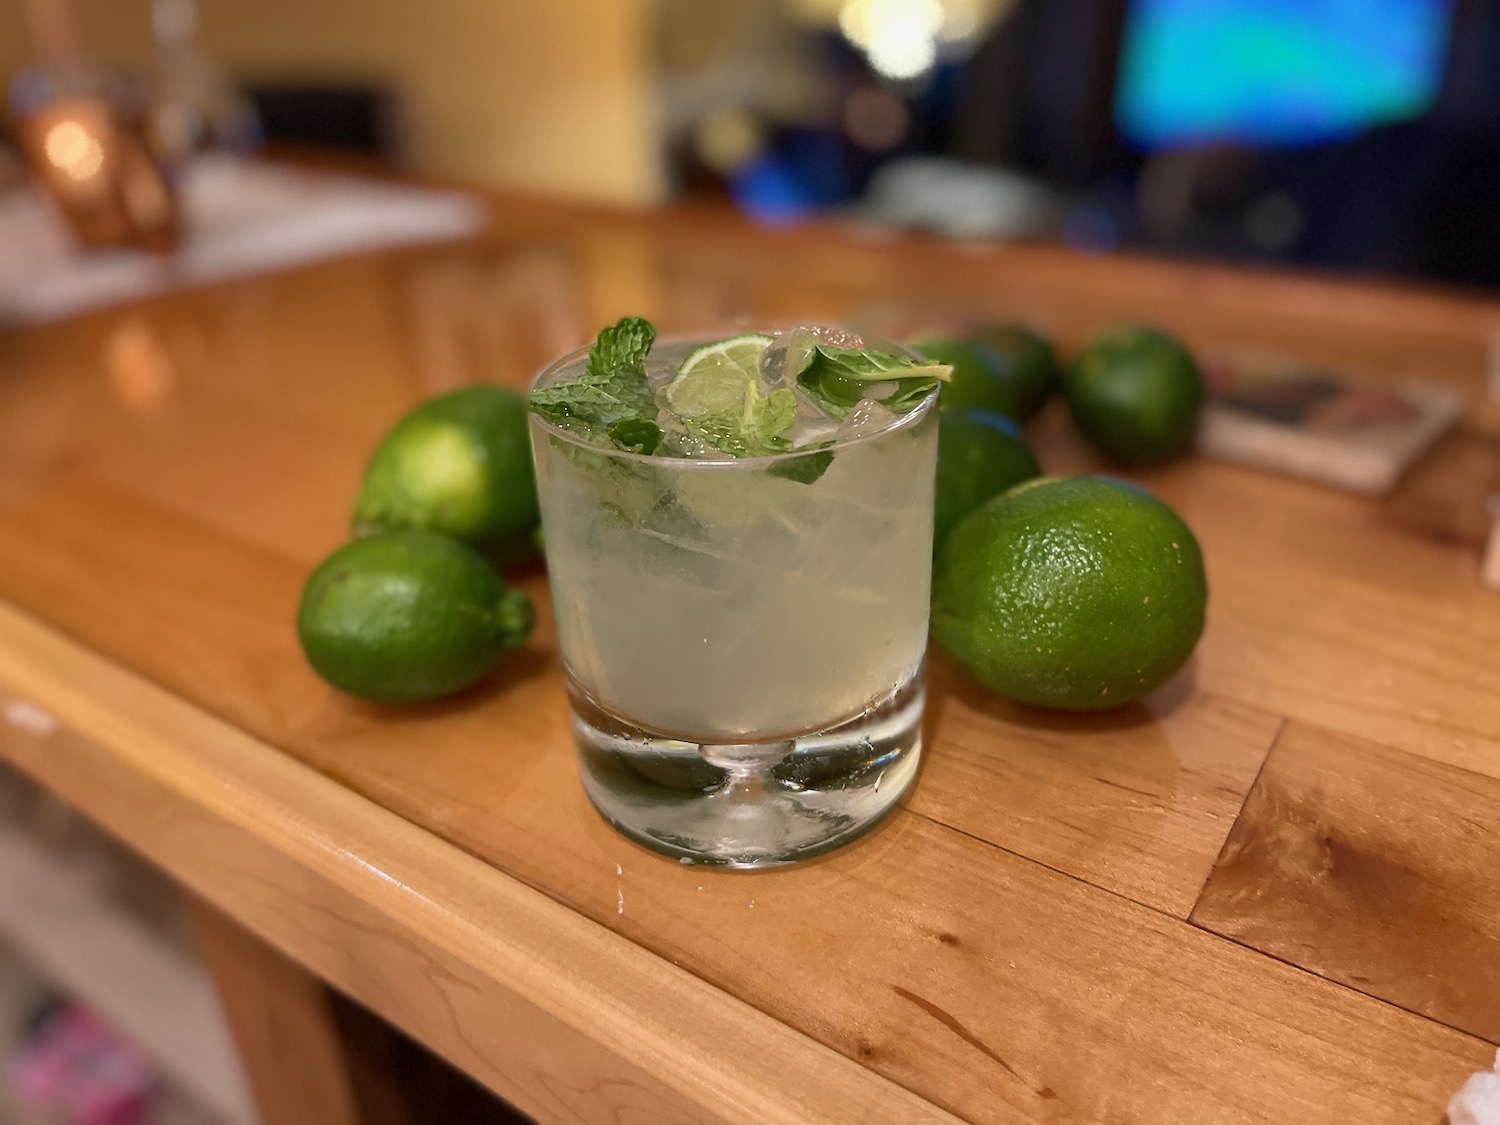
{"x":1279,"y":72}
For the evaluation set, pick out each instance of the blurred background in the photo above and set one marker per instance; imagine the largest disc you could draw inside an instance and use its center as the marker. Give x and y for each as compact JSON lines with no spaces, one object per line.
{"x":1357,"y":135}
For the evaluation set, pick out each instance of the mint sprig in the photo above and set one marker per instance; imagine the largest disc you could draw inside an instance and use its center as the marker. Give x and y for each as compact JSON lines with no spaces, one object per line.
{"x":624,"y":345}
{"x":636,"y":435}
{"x":611,"y":402}
{"x":804,"y":469}
{"x":839,"y":378}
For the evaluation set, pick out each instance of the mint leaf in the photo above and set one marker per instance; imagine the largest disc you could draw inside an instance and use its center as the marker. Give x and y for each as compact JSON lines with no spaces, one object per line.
{"x":838,"y":378}
{"x":599,"y":399}
{"x":751,"y":425}
{"x":611,"y":403}
{"x":804,"y":469}
{"x":624,"y":345}
{"x":636,"y":435}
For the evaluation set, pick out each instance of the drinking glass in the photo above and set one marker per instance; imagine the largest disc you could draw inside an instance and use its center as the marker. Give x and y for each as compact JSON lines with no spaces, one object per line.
{"x":743,"y":640}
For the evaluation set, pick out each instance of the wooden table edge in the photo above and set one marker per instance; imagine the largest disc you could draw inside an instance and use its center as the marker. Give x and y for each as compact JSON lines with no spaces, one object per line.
{"x":482,"y":968}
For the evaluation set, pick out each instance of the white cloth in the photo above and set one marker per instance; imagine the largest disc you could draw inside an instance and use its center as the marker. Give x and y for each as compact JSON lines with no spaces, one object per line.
{"x":1478,"y":1100}
{"x":241,"y":217}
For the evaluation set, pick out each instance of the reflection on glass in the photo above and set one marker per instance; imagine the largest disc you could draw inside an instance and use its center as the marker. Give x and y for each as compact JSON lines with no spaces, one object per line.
{"x":195,"y":105}
{"x":80,"y":126}
{"x":73,"y":149}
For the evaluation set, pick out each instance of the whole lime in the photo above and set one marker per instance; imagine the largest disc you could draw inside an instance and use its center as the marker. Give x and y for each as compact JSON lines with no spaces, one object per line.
{"x":1076,"y":593}
{"x":408,"y":615}
{"x":980,"y":454}
{"x":1027,"y":359}
{"x":1135,"y":393}
{"x":459,"y":464}
{"x":1001,"y":367}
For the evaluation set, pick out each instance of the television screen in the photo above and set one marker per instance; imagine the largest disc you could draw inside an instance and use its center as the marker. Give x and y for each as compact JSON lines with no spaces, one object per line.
{"x":1275,"y":72}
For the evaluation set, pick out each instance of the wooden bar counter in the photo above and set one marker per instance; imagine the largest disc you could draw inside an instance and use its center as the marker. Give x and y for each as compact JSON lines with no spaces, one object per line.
{"x":1268,"y":893}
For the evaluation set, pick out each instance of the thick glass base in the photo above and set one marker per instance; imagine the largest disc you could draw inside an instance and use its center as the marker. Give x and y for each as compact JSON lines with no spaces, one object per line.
{"x":750,"y":804}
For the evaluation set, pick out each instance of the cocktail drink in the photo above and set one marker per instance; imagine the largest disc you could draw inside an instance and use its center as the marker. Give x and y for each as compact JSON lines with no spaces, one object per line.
{"x":739,"y":540}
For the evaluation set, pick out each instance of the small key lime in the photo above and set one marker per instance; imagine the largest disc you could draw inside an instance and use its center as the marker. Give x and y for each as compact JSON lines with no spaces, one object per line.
{"x":408,"y":615}
{"x":459,"y":464}
{"x":1135,"y":393}
{"x":980,"y":454}
{"x":1076,"y":593}
{"x":1001,"y":367}
{"x":1028,"y":359}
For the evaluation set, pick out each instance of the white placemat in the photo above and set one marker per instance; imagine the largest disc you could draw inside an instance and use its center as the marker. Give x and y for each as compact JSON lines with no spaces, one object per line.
{"x":241,"y":217}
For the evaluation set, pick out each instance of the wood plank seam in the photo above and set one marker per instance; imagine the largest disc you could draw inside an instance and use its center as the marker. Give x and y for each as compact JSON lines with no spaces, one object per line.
{"x":1491,"y":1041}
{"x":1280,"y":749}
{"x":1045,"y":866}
{"x":1259,"y":773}
{"x":1140,"y":805}
{"x":1204,"y":929}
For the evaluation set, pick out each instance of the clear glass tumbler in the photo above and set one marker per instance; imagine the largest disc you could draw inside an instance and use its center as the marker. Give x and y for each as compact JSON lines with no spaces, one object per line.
{"x":743,"y":640}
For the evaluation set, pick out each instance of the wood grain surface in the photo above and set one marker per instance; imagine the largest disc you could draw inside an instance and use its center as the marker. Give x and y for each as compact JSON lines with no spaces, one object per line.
{"x":282,"y":1018}
{"x":1069,"y":920}
{"x":1137,"y":801}
{"x":1373,"y":868}
{"x":556,"y":1014}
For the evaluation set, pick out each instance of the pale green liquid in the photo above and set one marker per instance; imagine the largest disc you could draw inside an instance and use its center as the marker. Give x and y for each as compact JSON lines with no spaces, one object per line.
{"x":721,"y":603}
{"x":743,"y":650}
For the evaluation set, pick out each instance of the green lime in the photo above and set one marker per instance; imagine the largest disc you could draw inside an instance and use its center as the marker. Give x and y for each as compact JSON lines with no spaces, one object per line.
{"x":980,"y":454}
{"x":1077,"y":593}
{"x":713,"y":378}
{"x":677,"y":771}
{"x":1027,"y":359}
{"x":459,"y":464}
{"x":1136,"y":394}
{"x":408,"y":615}
{"x":1005,"y":368}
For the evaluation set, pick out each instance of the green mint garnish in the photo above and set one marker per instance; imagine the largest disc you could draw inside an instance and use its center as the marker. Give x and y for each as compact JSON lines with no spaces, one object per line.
{"x":611,"y":403}
{"x":636,"y":435}
{"x":838,"y":378}
{"x":804,"y":469}
{"x":624,"y":345}
{"x":718,"y":397}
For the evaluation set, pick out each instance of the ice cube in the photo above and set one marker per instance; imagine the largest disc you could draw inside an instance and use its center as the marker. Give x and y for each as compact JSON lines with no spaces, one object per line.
{"x":677,"y":441}
{"x":808,"y":429}
{"x":773,"y":366}
{"x":868,"y":417}
{"x":835,"y":337}
{"x":813,"y":423}
{"x":680,"y":443}
{"x":785,"y":356}
{"x":659,"y":371}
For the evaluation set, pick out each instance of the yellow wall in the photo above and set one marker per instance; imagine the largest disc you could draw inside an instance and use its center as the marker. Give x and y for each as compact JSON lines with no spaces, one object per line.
{"x":550,"y":95}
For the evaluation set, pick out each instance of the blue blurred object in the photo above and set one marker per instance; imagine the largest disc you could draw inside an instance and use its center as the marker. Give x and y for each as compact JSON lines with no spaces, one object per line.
{"x":768,"y":191}
{"x":1278,"y":72}
{"x":800,"y":174}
